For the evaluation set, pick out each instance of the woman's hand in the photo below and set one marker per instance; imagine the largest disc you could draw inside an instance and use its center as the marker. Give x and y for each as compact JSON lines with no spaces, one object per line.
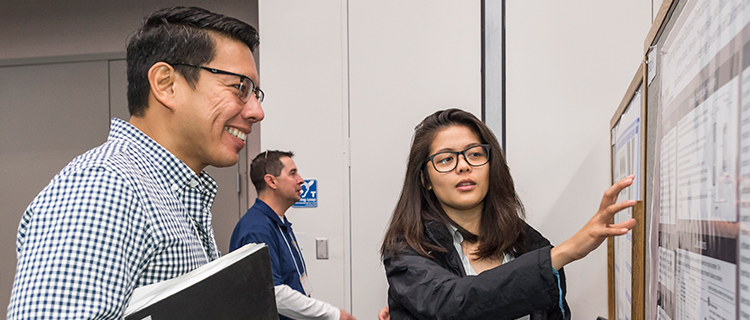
{"x":345,"y":315}
{"x":597,"y":229}
{"x":384,"y":314}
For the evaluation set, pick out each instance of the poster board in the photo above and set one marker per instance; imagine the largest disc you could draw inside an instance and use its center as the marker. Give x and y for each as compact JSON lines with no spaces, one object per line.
{"x":700,"y":96}
{"x":626,"y":256}
{"x":696,"y":96}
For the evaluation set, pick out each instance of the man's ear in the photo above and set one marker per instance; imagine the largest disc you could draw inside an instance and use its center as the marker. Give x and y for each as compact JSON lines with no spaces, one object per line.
{"x":270,"y":181}
{"x":162,"y":81}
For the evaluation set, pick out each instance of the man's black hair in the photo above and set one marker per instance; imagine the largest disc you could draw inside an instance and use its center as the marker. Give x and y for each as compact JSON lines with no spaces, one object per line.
{"x":178,"y":35}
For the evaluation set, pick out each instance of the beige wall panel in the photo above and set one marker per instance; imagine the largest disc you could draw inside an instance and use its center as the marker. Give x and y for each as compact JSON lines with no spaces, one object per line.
{"x":59,"y":28}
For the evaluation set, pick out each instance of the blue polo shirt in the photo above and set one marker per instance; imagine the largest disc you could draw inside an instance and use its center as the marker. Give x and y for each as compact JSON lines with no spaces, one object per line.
{"x":261,"y":224}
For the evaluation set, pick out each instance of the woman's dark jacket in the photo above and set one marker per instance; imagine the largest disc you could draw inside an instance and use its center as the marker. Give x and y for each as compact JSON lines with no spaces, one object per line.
{"x":438,"y":288}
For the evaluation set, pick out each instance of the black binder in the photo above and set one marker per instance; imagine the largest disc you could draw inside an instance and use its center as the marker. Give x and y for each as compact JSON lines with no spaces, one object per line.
{"x":236,"y":286}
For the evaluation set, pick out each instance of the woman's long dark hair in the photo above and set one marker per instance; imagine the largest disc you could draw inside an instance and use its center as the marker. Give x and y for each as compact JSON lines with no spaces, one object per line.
{"x":502,"y":226}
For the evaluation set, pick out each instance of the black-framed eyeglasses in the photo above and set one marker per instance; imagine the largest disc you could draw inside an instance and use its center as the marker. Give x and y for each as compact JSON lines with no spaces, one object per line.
{"x":446,"y":161}
{"x":243,"y":89}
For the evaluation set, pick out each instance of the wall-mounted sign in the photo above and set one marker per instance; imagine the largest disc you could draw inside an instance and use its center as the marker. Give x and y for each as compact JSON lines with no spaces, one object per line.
{"x":309,"y":195}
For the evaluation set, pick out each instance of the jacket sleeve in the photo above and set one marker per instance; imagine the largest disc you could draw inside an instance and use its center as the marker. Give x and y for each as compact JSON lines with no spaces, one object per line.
{"x":293,"y":304}
{"x":517,"y":288}
{"x":559,"y":310}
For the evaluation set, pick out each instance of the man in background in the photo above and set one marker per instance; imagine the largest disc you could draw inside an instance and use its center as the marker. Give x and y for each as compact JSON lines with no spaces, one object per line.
{"x":136,"y":210}
{"x":278,"y":184}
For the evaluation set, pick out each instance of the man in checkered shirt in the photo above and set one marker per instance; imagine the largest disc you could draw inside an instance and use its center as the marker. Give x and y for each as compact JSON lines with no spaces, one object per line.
{"x":136,"y":210}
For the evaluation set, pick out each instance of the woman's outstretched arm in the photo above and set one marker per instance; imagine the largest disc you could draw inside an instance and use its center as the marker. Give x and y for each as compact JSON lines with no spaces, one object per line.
{"x":597,"y":229}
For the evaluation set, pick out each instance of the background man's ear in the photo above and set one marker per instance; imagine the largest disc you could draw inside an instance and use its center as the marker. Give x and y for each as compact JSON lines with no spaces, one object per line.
{"x":270,"y":181}
{"x":161,"y":78}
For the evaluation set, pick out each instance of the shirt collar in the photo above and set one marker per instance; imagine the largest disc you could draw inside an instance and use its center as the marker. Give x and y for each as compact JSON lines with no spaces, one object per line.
{"x":457,"y":237}
{"x":457,"y":240}
{"x":175,"y":172}
{"x":265,"y":209}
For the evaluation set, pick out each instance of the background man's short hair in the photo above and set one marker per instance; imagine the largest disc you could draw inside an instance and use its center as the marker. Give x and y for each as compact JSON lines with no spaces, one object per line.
{"x":267,"y":162}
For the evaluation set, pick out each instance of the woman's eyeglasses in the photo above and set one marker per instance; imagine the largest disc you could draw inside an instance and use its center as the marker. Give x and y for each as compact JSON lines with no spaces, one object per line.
{"x":446,"y":161}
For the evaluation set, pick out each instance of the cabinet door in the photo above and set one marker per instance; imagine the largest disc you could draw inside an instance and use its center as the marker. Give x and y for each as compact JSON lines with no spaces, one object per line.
{"x":49,"y":114}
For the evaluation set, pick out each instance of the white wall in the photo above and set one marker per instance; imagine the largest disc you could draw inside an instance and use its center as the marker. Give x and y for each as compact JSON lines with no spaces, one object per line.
{"x":303,"y":71}
{"x":569,"y":64}
{"x":348,"y":81}
{"x":408,"y":59}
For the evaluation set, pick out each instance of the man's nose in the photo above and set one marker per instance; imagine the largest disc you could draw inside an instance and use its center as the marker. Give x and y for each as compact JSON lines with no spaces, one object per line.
{"x":252,"y":110}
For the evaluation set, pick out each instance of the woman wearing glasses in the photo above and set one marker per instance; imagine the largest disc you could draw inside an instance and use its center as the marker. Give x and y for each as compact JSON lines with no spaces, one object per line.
{"x":457,"y":246}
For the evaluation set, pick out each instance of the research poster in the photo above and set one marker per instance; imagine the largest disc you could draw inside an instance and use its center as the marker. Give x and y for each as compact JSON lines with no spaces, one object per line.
{"x":626,"y":151}
{"x":703,"y":259}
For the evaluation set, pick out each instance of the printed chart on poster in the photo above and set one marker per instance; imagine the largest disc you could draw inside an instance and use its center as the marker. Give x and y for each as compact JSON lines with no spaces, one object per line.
{"x":627,"y":136}
{"x":702,"y":249}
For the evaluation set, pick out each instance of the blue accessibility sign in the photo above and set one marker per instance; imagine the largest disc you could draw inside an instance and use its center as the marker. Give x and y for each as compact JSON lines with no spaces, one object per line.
{"x":309,"y":195}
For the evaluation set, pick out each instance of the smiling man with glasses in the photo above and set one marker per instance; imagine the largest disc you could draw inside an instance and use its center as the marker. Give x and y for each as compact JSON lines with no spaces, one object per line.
{"x":136,"y":210}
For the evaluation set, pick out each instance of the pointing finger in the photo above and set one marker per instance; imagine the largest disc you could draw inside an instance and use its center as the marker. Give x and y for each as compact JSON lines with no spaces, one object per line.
{"x":610,"y":196}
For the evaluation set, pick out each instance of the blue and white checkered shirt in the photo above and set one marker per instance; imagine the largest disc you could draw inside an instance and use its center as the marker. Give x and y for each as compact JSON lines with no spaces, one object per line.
{"x":123,"y":215}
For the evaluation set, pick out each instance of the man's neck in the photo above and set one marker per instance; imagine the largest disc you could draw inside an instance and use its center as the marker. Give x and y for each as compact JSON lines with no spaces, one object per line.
{"x":155,"y":129}
{"x":278,"y":206}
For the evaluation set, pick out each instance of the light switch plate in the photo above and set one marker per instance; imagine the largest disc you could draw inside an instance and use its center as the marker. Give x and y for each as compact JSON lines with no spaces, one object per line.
{"x":321,"y":248}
